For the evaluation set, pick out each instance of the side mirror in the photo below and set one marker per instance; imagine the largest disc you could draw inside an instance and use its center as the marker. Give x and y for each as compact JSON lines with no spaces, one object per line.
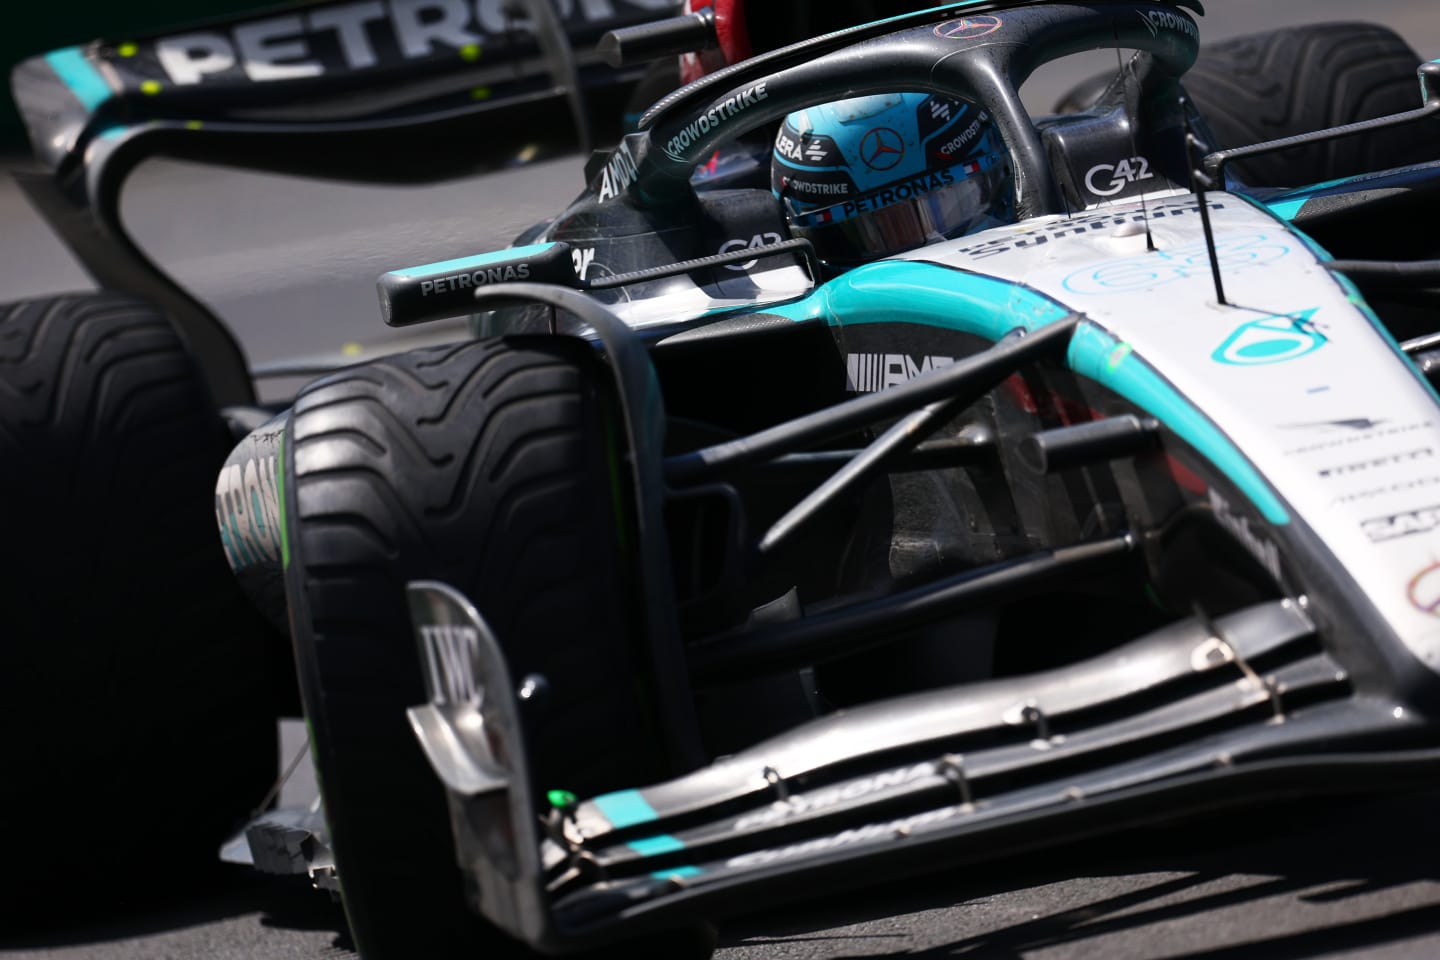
{"x":436,"y":291}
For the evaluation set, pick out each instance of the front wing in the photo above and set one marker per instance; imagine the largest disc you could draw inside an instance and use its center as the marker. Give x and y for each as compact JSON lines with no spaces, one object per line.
{"x":1194,"y":716}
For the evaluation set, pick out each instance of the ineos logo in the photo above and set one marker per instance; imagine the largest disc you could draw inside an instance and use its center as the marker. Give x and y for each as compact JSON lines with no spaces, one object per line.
{"x":882,"y":148}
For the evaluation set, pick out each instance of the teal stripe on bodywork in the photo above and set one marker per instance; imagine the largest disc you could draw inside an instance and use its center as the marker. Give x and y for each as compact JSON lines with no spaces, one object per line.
{"x":1288,"y":210}
{"x":80,"y":76}
{"x":1099,"y":356}
{"x":906,"y":291}
{"x":811,"y":307}
{"x":654,"y":846}
{"x":475,"y":262}
{"x":625,"y":808}
{"x":1287,"y":206}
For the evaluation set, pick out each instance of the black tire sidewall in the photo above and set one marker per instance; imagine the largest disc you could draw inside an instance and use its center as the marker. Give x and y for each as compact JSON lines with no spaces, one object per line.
{"x":437,"y":438}
{"x":127,"y":638}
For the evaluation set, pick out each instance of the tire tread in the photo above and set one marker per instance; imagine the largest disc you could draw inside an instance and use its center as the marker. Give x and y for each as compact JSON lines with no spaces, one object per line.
{"x":124,"y":627}
{"x":485,"y":469}
{"x":1299,"y":79}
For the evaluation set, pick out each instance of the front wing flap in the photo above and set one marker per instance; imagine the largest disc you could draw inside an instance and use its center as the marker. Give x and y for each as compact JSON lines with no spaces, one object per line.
{"x":1192,"y":716}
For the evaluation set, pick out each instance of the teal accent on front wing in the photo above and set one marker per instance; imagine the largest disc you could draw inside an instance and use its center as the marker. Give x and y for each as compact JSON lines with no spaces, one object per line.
{"x":681,"y":872}
{"x":625,"y":808}
{"x":908,"y":291}
{"x":655,"y":846}
{"x":472,"y":263}
{"x":77,"y":73}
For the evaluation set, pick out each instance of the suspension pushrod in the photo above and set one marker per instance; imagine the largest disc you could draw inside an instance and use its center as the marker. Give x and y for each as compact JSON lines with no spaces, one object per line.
{"x":840,"y":632}
{"x":1389,"y":273}
{"x":899,"y":439}
{"x":1425,"y":344}
{"x":1216,"y":162}
{"x":974,"y":447}
{"x":993,"y":365}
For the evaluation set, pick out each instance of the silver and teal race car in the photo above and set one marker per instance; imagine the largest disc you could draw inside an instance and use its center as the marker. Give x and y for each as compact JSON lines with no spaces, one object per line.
{"x":717,"y":569}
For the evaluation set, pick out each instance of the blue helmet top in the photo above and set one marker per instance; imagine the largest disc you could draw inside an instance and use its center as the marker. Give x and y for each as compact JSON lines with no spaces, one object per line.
{"x":871,"y":176}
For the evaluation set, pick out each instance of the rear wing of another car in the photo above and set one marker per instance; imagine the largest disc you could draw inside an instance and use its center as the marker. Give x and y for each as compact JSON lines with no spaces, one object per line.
{"x":356,"y":69}
{"x":370,"y":90}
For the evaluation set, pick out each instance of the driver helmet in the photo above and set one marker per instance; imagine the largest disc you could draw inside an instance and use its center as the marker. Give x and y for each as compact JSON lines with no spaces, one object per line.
{"x":872,"y":176}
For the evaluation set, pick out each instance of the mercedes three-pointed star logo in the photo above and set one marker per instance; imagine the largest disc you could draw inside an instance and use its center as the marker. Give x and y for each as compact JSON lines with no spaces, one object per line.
{"x":882,"y":148}
{"x":968,"y":28}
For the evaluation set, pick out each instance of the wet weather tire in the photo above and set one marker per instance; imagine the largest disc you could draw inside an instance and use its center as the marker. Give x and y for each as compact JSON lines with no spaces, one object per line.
{"x":491,"y":466}
{"x":135,"y":711}
{"x":1300,"y":79}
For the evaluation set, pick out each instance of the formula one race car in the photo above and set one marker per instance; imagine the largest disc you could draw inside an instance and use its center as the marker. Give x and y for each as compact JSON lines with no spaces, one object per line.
{"x":975,"y":481}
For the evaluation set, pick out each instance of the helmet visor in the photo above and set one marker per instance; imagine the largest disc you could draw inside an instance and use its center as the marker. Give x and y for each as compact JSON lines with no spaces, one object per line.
{"x":879,"y":224}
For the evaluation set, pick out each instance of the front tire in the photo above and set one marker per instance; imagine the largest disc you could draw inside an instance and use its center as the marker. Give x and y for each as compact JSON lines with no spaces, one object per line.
{"x":493,"y":466}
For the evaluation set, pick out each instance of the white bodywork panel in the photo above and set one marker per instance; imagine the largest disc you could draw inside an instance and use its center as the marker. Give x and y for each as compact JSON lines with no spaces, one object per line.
{"x":1294,"y":371}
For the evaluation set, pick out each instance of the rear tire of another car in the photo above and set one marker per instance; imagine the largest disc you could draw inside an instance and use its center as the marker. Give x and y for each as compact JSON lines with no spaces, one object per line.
{"x":134,"y":700}
{"x":496,"y":467}
{"x":1300,"y":79}
{"x":1296,"y":80}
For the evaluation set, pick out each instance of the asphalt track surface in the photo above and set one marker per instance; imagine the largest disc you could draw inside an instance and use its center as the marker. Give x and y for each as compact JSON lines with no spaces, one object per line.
{"x":291,"y":265}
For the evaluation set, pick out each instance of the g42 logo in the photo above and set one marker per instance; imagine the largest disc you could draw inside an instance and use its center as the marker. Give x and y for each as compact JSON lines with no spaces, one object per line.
{"x":582,"y":258}
{"x":1120,"y":175}
{"x":1272,"y":340}
{"x":754,"y":243}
